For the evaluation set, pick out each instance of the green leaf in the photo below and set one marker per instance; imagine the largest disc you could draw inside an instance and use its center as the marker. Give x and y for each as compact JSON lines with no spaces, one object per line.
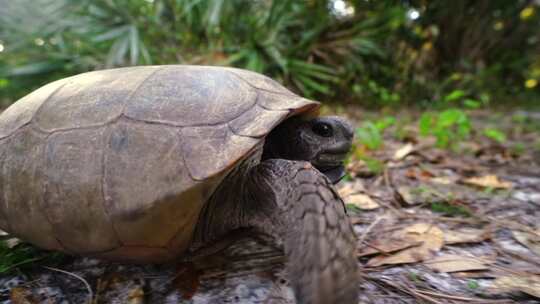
{"x":448,"y":118}
{"x":472,"y":103}
{"x":495,"y":134}
{"x":472,"y":284}
{"x":374,"y":165}
{"x":112,"y":34}
{"x":369,"y":135}
{"x":134,"y":45}
{"x":308,"y":82}
{"x":454,"y":95}
{"x":35,"y":68}
{"x":384,"y":123}
{"x":426,"y":123}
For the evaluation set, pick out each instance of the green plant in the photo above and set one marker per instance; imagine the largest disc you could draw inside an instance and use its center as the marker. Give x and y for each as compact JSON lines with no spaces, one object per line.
{"x":449,"y":126}
{"x":495,"y":134}
{"x":413,"y":276}
{"x":447,"y":208}
{"x":367,"y":51}
{"x":353,"y":208}
{"x":382,"y":94}
{"x":472,"y":284}
{"x":374,"y":165}
{"x":370,"y":134}
{"x":518,"y":148}
{"x":24,"y":255}
{"x":307,"y":45}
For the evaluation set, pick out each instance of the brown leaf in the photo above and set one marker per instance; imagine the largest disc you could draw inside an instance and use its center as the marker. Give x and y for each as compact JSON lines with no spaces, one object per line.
{"x":402,"y":152}
{"x":136,"y":296}
{"x":419,"y":174}
{"x":527,"y":283}
{"x":456,"y":263}
{"x":488,"y":181}
{"x":417,"y":195}
{"x":362,"y":201}
{"x":351,"y":188}
{"x":387,"y":245}
{"x":432,"y":241}
{"x":20,"y":295}
{"x":443,"y":180}
{"x":466,"y":235}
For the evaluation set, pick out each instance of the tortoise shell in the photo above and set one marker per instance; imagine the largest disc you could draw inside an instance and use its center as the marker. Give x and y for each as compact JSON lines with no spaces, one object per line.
{"x":118,"y":163}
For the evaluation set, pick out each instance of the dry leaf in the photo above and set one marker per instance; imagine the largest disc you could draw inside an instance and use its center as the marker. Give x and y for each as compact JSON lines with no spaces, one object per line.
{"x":529,"y":240}
{"x":12,"y":242}
{"x":362,"y":201}
{"x":455,"y":263}
{"x":386,"y":245}
{"x":402,"y":152}
{"x":488,"y":181}
{"x":417,"y":195}
{"x":443,"y":180}
{"x":466,"y":235}
{"x":432,"y":241}
{"x":136,"y":296}
{"x":527,"y":283}
{"x":20,"y":295}
{"x":351,"y":188}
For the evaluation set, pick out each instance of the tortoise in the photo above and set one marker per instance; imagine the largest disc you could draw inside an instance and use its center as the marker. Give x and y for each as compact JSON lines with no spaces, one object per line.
{"x":142,"y":164}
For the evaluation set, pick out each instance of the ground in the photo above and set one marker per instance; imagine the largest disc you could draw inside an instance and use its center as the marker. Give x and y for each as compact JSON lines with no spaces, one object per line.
{"x":454,"y":224}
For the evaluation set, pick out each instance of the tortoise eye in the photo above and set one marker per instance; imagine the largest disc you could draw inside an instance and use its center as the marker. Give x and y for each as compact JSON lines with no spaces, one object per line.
{"x":323,"y":129}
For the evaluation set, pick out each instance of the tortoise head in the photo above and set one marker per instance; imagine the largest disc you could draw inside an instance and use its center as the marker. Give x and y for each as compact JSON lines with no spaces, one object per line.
{"x":323,"y":141}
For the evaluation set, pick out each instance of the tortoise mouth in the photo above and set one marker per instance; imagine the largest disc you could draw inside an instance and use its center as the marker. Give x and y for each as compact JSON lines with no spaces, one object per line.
{"x":331,"y":164}
{"x":335,"y":174}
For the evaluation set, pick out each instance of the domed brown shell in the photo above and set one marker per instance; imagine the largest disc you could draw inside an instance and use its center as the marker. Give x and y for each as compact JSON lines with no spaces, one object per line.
{"x":118,"y":163}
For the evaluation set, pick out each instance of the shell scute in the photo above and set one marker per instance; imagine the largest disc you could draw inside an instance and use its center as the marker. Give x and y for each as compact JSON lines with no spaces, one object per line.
{"x":74,"y":199}
{"x":260,"y":81}
{"x":188,"y":96}
{"x":23,"y":111}
{"x":146,"y":183}
{"x":91,"y":99}
{"x":22,"y":179}
{"x":211,"y":150}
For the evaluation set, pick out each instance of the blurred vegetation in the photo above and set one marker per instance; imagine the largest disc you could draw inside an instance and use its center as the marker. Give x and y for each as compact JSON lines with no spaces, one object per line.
{"x":464,"y":52}
{"x":23,"y":256}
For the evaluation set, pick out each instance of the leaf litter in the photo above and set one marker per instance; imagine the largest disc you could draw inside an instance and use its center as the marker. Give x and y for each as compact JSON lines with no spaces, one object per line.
{"x":414,"y":243}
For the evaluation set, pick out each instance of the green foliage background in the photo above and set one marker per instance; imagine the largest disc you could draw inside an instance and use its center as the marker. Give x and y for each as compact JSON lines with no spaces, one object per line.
{"x":368,"y":52}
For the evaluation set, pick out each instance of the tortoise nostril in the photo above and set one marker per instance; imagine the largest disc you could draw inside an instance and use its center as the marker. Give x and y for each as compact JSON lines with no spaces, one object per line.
{"x":348,"y":131}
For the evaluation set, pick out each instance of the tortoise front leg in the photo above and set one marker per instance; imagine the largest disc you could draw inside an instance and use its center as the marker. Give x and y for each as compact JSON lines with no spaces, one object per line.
{"x":297,"y":205}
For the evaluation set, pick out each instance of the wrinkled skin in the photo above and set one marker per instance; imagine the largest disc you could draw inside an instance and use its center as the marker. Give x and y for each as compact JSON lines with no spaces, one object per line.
{"x":287,"y":195}
{"x":323,"y":141}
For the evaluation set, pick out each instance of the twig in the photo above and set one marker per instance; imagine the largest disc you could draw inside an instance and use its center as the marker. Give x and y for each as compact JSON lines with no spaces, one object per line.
{"x":369,"y":228}
{"x":448,"y":219}
{"x":88,"y":288}
{"x":514,"y":225}
{"x":411,"y":291}
{"x":514,"y":254}
{"x":457,"y":298}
